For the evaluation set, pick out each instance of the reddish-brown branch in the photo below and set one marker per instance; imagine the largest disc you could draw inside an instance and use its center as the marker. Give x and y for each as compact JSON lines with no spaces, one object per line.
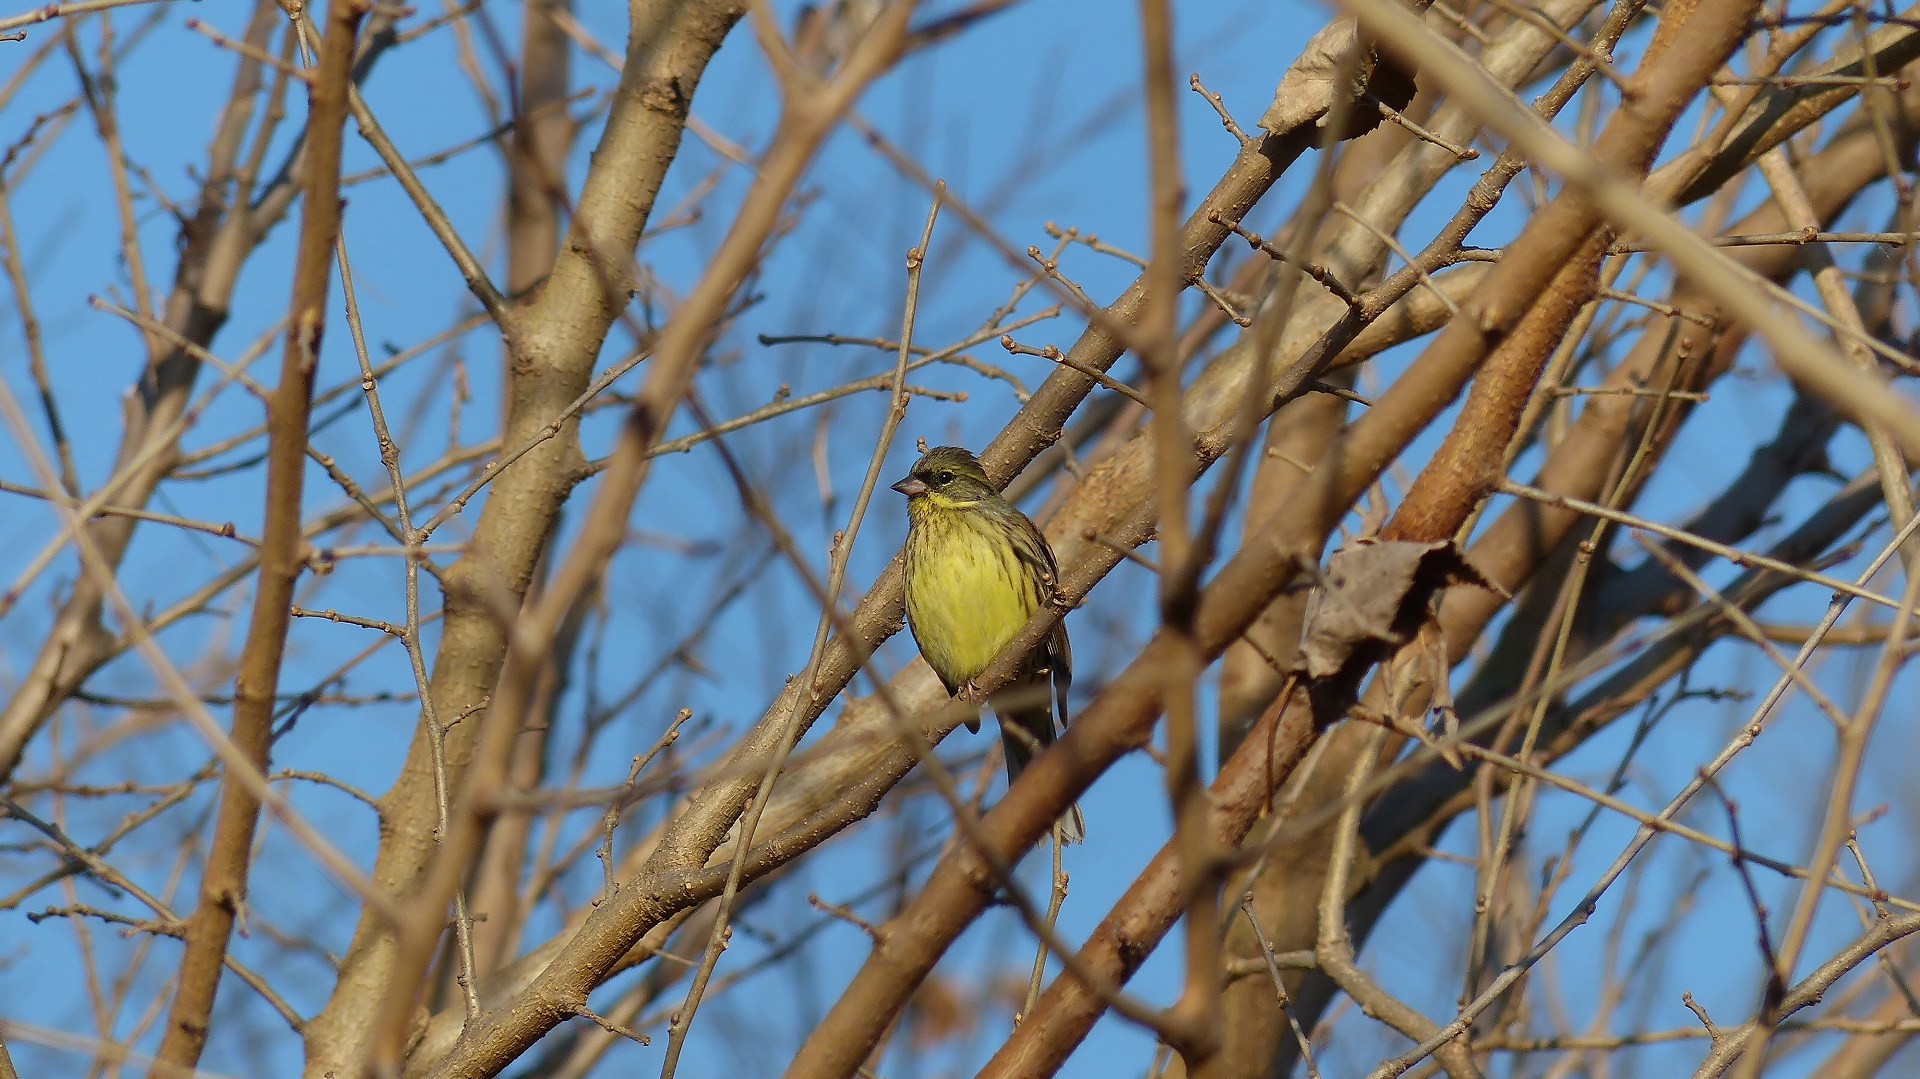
{"x":223,"y":882}
{"x":1510,"y":317}
{"x":1463,"y":470}
{"x":1274,"y":746}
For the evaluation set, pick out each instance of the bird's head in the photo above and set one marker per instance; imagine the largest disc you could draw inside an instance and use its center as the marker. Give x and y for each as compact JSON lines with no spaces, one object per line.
{"x":948,"y":477}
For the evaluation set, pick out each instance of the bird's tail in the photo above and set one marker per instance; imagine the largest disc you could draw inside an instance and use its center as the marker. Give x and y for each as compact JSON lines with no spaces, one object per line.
{"x":1024,"y":732}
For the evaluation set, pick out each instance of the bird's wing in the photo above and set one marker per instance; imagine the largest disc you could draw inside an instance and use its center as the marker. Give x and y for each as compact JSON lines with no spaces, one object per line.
{"x":1031,"y":547}
{"x":1037,"y":554}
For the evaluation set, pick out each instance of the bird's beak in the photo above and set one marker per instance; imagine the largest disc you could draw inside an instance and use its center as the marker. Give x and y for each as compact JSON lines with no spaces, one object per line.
{"x":911,"y":487}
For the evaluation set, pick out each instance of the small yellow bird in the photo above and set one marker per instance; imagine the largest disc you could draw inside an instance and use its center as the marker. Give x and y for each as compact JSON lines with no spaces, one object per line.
{"x":977,"y":570}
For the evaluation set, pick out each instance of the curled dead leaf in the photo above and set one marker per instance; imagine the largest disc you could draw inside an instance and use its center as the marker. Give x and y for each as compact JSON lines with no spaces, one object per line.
{"x":1373,"y":596}
{"x":1336,"y":66}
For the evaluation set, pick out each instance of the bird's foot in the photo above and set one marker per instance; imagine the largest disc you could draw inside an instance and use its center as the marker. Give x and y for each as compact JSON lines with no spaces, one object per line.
{"x":970,"y":693}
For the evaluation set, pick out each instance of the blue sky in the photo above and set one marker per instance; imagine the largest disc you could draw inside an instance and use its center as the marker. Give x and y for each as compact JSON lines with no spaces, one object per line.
{"x":1033,"y":117}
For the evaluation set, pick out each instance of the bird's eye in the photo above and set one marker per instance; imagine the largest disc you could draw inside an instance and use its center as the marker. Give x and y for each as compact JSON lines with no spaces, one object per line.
{"x":945,"y":477}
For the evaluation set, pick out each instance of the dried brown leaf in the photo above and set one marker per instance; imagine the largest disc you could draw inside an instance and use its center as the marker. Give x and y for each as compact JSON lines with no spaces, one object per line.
{"x":1375,"y":595}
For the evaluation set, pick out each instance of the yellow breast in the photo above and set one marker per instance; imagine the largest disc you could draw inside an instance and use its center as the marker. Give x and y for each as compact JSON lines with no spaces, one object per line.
{"x":967,"y":593}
